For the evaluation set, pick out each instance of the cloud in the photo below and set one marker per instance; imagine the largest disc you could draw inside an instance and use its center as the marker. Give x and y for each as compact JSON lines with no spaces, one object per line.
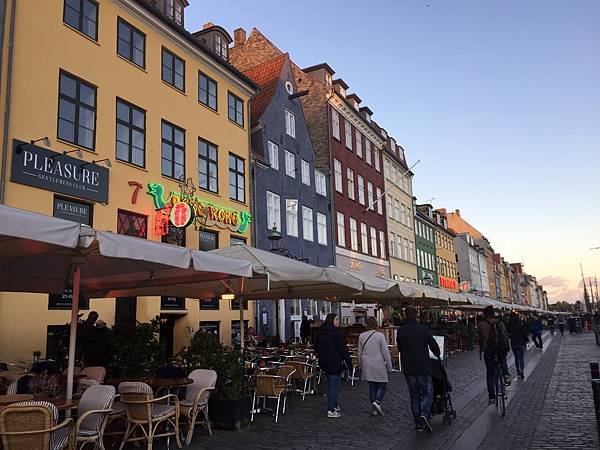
{"x":561,"y":289}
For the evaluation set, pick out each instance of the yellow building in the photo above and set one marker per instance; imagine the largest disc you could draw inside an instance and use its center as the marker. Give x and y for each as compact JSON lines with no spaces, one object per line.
{"x":120,"y":83}
{"x":445,"y":254}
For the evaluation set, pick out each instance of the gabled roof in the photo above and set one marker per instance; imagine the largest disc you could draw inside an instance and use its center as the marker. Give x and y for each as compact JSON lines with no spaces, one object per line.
{"x":266,"y":76}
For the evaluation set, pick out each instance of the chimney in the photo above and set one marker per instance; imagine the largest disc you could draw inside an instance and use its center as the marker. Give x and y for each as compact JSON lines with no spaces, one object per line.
{"x":442,"y":211}
{"x":239,"y":37}
{"x":208,"y":25}
{"x":457,"y":212}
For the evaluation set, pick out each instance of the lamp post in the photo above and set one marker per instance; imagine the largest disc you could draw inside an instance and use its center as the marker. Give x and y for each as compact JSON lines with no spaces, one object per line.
{"x":427,"y":279}
{"x":274,"y":238}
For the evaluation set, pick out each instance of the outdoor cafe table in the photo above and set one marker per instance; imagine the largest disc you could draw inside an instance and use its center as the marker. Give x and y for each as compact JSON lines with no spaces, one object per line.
{"x":60,"y":403}
{"x":154,"y":383}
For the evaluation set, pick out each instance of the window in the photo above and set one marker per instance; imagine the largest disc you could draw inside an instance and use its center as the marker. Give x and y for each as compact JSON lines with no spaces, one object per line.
{"x":207,"y":91}
{"x":350,"y":177}
{"x":337,"y":168}
{"x":237,"y":178}
{"x":307,"y":224}
{"x":341,"y":230}
{"x":305,"y":172}
{"x":335,"y":124}
{"x":132,"y":224}
{"x":291,"y":217}
{"x":386,"y":169}
{"x":393,"y":248}
{"x":210,"y":327}
{"x":321,"y":228}
{"x":76,"y":111}
{"x":411,"y":252}
{"x":390,"y":209}
{"x":401,"y":242}
{"x":396,"y":210}
{"x":209,"y":240}
{"x":402,"y":214}
{"x":320,"y":183}
{"x":174,"y":10}
{"x":368,"y":151}
{"x":208,"y":166}
{"x":290,"y":123}
{"x":221,"y":46}
{"x":364,"y":238}
{"x":131,"y":43}
{"x":173,"y":70}
{"x":172,"y":151}
{"x":361,"y":190}
{"x":235,"y":240}
{"x":296,"y":307}
{"x":290,"y":164}
{"x":83,"y":16}
{"x":313,"y":309}
{"x":273,"y":155}
{"x":377,"y":159}
{"x":373,"y":241}
{"x":370,"y":198}
{"x":348,"y":129}
{"x":358,"y":137}
{"x":235,"y":109}
{"x":353,"y":235}
{"x":381,"y":245}
{"x":273,"y":211}
{"x":379,"y":202}
{"x":131,"y":133}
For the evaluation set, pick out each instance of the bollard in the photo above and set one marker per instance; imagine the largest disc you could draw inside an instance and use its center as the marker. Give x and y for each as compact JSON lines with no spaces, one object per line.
{"x":596,"y":392}
{"x":595,"y":370}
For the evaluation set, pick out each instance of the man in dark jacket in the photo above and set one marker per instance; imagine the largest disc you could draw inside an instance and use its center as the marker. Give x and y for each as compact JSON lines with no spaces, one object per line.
{"x":518,"y":341}
{"x":493,"y":349}
{"x":331,"y":349}
{"x":414,"y":342}
{"x":536,"y":331}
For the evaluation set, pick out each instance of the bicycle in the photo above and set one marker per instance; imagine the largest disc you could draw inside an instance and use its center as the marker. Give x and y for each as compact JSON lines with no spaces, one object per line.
{"x":500,"y":387}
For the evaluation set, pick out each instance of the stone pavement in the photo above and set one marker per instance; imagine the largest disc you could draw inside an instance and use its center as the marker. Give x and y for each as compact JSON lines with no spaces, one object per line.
{"x":551,"y":409}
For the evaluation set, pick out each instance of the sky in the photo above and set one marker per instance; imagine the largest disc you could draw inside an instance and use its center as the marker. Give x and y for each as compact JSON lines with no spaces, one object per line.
{"x":498,"y":99}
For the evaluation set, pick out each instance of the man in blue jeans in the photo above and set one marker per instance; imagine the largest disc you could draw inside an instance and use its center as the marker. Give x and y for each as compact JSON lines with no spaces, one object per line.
{"x":414,"y":342}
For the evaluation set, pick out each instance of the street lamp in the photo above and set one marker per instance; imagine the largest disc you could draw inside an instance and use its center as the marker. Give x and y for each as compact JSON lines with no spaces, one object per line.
{"x":427,"y":279}
{"x":274,"y":237}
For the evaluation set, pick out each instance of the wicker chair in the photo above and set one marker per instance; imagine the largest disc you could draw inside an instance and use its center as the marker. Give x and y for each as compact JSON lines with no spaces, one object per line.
{"x":265,"y":387}
{"x":93,"y":376}
{"x":146,"y":413}
{"x":33,"y":425}
{"x":92,"y":412}
{"x":304,"y":373}
{"x":196,"y":400}
{"x":12,"y":388}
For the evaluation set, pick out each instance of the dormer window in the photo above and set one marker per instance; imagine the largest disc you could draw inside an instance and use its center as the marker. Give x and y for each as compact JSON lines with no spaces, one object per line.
{"x":328,"y":79}
{"x":221,"y":46}
{"x":174,"y":10}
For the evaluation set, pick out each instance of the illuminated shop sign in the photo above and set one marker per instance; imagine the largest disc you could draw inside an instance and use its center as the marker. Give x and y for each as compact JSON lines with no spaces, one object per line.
{"x":184,"y":209}
{"x":448,"y":283}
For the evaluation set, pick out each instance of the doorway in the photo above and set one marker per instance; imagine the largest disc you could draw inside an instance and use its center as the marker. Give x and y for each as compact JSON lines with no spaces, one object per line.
{"x":167,"y":334}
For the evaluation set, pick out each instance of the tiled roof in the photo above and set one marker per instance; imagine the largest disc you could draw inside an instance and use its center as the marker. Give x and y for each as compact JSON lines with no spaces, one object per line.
{"x":266,"y":76}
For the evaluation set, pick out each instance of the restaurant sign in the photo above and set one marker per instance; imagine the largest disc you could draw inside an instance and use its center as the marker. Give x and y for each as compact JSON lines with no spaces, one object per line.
{"x":184,"y":209}
{"x":45,"y":169}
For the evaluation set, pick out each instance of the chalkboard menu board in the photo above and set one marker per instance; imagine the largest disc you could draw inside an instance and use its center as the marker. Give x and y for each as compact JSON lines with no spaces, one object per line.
{"x":65,"y":300}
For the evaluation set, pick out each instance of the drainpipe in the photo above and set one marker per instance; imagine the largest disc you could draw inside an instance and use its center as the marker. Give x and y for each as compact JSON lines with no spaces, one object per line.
{"x":5,"y":149}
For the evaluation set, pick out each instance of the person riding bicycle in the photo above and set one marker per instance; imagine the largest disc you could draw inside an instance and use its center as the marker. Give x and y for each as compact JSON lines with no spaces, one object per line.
{"x":494,"y":344}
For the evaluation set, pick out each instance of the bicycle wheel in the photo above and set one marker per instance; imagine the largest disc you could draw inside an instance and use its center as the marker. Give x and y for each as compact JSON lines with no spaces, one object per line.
{"x":502,"y":403}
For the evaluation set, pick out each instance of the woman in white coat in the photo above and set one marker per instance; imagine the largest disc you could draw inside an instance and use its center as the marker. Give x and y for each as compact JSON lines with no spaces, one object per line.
{"x":375,"y":363}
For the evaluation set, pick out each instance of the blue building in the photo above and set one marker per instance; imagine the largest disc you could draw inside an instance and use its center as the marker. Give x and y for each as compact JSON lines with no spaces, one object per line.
{"x":290,"y":197}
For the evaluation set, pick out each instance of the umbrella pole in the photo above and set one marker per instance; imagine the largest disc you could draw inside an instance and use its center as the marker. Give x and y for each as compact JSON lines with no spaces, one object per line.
{"x":241,"y":305}
{"x":73,"y":331}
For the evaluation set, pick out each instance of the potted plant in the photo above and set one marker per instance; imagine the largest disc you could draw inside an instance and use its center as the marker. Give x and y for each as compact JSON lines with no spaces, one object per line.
{"x":230,"y":403}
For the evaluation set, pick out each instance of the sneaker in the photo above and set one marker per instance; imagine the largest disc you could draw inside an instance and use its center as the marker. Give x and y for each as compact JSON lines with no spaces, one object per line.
{"x":377,"y":407}
{"x":522,"y":375}
{"x":419,"y":428}
{"x":491,"y":401}
{"x":374,"y":412}
{"x":426,"y":424}
{"x":333,"y":414}
{"x":337,"y":409}
{"x":506,"y":380}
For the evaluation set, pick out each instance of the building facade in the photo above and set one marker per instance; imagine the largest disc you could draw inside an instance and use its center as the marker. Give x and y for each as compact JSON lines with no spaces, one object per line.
{"x":445,"y":254}
{"x":467,"y":263}
{"x":426,"y":245}
{"x":140,"y":115}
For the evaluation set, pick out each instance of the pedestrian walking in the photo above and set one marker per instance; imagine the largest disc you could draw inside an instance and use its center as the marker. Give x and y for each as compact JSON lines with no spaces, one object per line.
{"x":536,"y":331}
{"x":561,"y":324}
{"x":494,"y":344}
{"x":550,"y":324}
{"x":414,"y":342}
{"x":305,"y":329}
{"x":518,"y":341}
{"x":375,"y":363}
{"x":332,"y":352}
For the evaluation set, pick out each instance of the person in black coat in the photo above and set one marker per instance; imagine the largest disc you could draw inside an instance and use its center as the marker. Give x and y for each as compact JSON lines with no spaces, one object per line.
{"x":414,"y":342}
{"x":518,"y":341}
{"x":305,"y":329}
{"x":331,"y":349}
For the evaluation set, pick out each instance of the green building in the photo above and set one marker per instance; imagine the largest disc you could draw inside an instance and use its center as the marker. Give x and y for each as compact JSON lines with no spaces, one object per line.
{"x":425,"y":245}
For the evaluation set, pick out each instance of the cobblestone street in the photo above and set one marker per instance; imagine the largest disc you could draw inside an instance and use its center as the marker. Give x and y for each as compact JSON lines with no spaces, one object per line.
{"x":551,"y":408}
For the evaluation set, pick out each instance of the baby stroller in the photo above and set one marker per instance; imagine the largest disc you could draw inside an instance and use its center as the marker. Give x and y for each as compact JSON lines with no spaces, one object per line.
{"x":442,"y":402}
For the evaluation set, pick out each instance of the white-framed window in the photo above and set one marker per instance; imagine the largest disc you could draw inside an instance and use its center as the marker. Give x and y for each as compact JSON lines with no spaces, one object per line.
{"x":296,"y":307}
{"x":393,"y":248}
{"x":341,"y":230}
{"x":393,"y":173}
{"x":390,"y":209}
{"x":408,"y":217}
{"x":382,"y":244}
{"x":364,"y":238}
{"x":321,"y":228}
{"x":291,"y":216}
{"x":361,"y":190}
{"x":305,"y":170}
{"x":403,"y":214}
{"x":379,"y":202}
{"x":401,"y":242}
{"x":359,"y":147}
{"x":370,"y":198}
{"x":368,"y":151}
{"x":335,"y":123}
{"x":377,"y":158}
{"x":290,"y":164}
{"x":411,"y":251}
{"x":320,"y":183}
{"x":353,"y":235}
{"x":373,"y":241}
{"x":348,"y":135}
{"x":350,"y":178}
{"x":396,"y":210}
{"x":273,"y":155}
{"x":307,"y":223}
{"x":337,"y":170}
{"x":273,"y":211}
{"x":290,"y":123}
{"x":313,"y":309}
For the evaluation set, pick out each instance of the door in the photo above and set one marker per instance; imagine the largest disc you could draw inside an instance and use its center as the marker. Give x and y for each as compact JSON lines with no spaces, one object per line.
{"x":167,"y":334}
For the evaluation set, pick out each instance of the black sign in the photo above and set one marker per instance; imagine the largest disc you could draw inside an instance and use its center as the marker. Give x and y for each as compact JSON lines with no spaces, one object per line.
{"x":73,"y":211}
{"x":65,"y":300}
{"x":172,"y":302}
{"x":42,"y":168}
{"x":235,"y":304}
{"x":209,"y":303}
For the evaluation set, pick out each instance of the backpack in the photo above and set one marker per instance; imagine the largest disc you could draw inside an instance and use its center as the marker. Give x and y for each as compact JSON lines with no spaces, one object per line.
{"x":498,"y":339}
